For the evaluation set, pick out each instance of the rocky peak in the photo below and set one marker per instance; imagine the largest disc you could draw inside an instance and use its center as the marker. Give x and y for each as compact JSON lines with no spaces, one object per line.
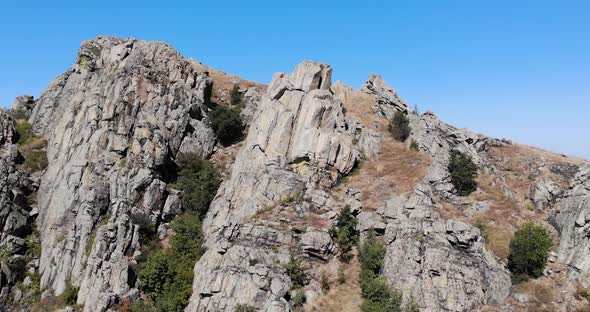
{"x":387,"y":99}
{"x":115,"y":122}
{"x":7,"y":128}
{"x":299,"y":145}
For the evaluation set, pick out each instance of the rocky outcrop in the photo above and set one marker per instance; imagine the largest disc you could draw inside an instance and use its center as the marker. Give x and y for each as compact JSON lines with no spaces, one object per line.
{"x":250,"y":101}
{"x":387,"y":101}
{"x":15,"y":213}
{"x":298,"y":144}
{"x":115,"y":122}
{"x":442,"y":264}
{"x":571,"y":217}
{"x":438,"y":139}
{"x":543,"y":193}
{"x":24,"y":104}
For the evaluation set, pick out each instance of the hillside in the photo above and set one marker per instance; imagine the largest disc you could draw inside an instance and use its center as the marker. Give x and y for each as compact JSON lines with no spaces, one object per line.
{"x":120,"y":193}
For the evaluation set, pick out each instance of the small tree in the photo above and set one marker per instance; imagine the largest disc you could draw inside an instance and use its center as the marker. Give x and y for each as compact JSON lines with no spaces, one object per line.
{"x":187,"y":237}
{"x":325,"y":283}
{"x":70,"y":295}
{"x":295,"y":271}
{"x":463,"y":173}
{"x":344,"y":232}
{"x":400,"y":126}
{"x":236,"y":96}
{"x":529,"y":250}
{"x":227,"y":124}
{"x":371,"y":256}
{"x":198,"y":180}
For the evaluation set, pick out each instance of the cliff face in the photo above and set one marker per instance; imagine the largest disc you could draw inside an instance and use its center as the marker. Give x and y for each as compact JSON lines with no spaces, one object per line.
{"x":116,"y":121}
{"x":298,"y":146}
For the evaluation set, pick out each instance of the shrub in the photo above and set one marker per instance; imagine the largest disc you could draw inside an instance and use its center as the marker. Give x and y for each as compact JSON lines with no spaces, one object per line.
{"x":324,"y":282}
{"x":198,"y":180}
{"x":32,"y":244}
{"x":235,"y":95}
{"x":24,"y":131}
{"x":227,"y":124}
{"x":377,"y":296}
{"x":341,"y":275}
{"x":299,"y":300}
{"x":529,"y":250}
{"x":244,"y":308}
{"x":414,"y":146}
{"x":344,"y":232}
{"x":295,"y":271}
{"x":147,"y":229}
{"x":143,"y":306}
{"x":187,"y":238}
{"x":400,"y":126}
{"x":70,"y":295}
{"x":166,"y":276}
{"x":463,"y":173}
{"x":371,"y":256}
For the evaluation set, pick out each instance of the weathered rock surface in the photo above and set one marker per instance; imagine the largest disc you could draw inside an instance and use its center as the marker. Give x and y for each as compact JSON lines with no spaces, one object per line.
{"x":298,"y":143}
{"x":24,"y":104}
{"x":115,"y":122}
{"x":543,"y":193}
{"x":438,"y":139}
{"x":442,"y":264}
{"x":387,"y":100}
{"x":15,"y":219}
{"x":250,"y":100}
{"x":571,"y":217}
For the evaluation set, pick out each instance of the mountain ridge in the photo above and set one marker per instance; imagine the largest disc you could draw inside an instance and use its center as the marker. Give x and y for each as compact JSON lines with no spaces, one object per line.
{"x":118,"y":119}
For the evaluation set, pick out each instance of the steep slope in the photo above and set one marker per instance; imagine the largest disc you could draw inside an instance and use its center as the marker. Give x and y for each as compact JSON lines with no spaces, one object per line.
{"x":299,"y":145}
{"x":115,"y":122}
{"x":16,"y":213}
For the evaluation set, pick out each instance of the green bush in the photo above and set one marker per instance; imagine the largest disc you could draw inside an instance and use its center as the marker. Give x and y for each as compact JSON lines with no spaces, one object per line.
{"x":166,"y":276}
{"x":414,"y":146}
{"x":244,"y":308}
{"x":70,"y":295}
{"x":147,"y":229}
{"x":400,"y":126}
{"x":324,"y":282}
{"x":344,"y":232}
{"x":24,"y":131}
{"x":377,"y":296}
{"x":371,"y":257}
{"x":236,"y":96}
{"x":529,"y":250}
{"x":198,"y":180}
{"x":463,"y":173}
{"x":187,"y":238}
{"x":295,"y":271}
{"x":143,"y":306}
{"x":227,"y":124}
{"x":299,"y":300}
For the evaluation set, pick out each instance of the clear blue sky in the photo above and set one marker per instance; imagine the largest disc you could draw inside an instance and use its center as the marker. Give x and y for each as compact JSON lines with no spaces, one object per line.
{"x":515,"y":69}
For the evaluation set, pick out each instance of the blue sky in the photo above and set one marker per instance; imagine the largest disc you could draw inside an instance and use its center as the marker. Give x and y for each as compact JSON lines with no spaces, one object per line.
{"x":515,"y":69}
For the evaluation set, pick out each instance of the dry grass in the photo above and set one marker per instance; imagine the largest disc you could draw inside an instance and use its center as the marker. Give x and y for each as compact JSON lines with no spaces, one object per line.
{"x":395,"y":170}
{"x":224,"y":82}
{"x":341,"y":297}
